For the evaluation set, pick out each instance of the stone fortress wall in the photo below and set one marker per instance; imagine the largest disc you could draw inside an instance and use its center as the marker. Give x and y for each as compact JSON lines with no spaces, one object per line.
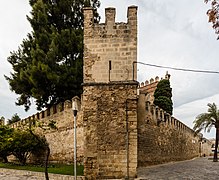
{"x":161,"y":137}
{"x":171,"y":139}
{"x":207,"y":147}
{"x":118,"y":129}
{"x":61,"y":140}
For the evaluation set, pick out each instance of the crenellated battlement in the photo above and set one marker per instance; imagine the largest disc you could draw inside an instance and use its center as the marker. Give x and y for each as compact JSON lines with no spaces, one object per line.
{"x":110,"y":48}
{"x":110,"y":28}
{"x":118,"y":129}
{"x":61,"y":136}
{"x":110,"y":80}
{"x":153,"y":81}
{"x":162,"y":137}
{"x":158,"y":116}
{"x":148,"y":82}
{"x":54,"y":110}
{"x":149,"y":86}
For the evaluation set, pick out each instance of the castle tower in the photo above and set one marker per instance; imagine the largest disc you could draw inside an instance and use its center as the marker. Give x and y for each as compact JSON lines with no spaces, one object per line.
{"x":148,"y":88}
{"x":110,"y":96}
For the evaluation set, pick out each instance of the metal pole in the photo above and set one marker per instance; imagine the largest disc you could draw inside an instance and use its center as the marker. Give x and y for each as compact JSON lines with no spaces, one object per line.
{"x":75,"y":109}
{"x":75,"y":144}
{"x":127,"y":140}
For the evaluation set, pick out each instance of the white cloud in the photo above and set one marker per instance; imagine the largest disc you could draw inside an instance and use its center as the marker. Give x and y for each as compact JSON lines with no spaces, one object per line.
{"x":14,"y":28}
{"x":188,"y":112}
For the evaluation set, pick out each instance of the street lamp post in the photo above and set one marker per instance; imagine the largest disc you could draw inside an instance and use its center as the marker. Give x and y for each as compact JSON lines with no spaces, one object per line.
{"x":75,"y":110}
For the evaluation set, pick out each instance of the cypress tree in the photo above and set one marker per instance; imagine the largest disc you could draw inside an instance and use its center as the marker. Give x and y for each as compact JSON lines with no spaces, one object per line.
{"x":163,"y":95}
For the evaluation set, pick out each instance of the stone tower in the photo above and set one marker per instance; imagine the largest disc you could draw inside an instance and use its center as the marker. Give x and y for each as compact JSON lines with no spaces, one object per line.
{"x":148,"y":88}
{"x":110,"y":96}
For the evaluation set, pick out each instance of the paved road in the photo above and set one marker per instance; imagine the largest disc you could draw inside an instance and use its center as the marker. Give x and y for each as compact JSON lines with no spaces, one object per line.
{"x":15,"y":176}
{"x":10,"y":174}
{"x":196,"y":169}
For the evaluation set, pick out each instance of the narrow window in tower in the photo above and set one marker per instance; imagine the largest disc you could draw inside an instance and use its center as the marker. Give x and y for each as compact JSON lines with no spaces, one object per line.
{"x":110,"y":67}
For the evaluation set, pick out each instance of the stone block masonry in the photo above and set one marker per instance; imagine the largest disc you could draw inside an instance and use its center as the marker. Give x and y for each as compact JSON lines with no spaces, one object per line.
{"x":61,"y":140}
{"x":111,"y":48}
{"x":148,"y":88}
{"x":110,"y":130}
{"x":118,"y":130}
{"x":162,"y":138}
{"x":110,"y":96}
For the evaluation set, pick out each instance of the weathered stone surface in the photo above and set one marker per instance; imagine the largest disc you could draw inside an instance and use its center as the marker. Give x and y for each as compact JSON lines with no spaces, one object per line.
{"x":206,"y":147}
{"x":110,"y":96}
{"x":105,"y":130}
{"x":149,"y":88}
{"x":61,"y":140}
{"x":110,"y":48}
{"x":117,"y":130}
{"x":162,"y":138}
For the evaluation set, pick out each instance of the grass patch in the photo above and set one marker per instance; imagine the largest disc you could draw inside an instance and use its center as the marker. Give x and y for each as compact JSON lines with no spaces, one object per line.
{"x":53,"y":168}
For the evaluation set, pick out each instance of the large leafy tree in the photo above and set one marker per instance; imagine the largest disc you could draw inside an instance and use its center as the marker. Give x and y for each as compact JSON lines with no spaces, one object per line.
{"x":19,"y":143}
{"x":213,"y":15}
{"x":163,"y":95}
{"x":206,"y":121}
{"x":23,"y":144}
{"x":5,"y":142}
{"x":48,"y":64}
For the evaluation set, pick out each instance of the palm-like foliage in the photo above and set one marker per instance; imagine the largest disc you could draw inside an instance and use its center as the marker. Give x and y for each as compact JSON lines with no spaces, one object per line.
{"x":206,"y":121}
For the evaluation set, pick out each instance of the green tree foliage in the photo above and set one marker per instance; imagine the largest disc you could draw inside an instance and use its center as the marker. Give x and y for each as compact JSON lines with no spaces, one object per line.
{"x":2,"y":121}
{"x":14,"y":118}
{"x":5,"y":142}
{"x":48,"y":64}
{"x":42,"y":140}
{"x":163,"y":95}
{"x":213,"y":15}
{"x":19,"y":143}
{"x":24,"y":143}
{"x":206,"y":121}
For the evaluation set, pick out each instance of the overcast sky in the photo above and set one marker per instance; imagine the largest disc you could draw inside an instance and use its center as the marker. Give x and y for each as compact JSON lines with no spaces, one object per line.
{"x":171,"y":33}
